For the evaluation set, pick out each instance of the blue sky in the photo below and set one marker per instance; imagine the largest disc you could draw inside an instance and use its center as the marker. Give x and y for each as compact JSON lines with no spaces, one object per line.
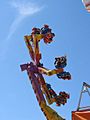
{"x":71,"y":24}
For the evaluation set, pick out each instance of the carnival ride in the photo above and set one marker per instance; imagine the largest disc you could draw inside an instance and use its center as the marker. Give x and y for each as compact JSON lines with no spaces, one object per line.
{"x":36,"y":72}
{"x":82,"y":113}
{"x":86,"y":4}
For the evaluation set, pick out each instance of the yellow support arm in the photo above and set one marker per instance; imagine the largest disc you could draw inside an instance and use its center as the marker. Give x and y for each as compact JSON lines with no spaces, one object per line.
{"x":49,"y":112}
{"x":29,"y":46}
{"x":43,"y":70}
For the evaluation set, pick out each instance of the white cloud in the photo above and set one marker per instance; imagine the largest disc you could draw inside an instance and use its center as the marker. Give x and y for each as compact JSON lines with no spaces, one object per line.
{"x":14,"y":26}
{"x":23,"y":10}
